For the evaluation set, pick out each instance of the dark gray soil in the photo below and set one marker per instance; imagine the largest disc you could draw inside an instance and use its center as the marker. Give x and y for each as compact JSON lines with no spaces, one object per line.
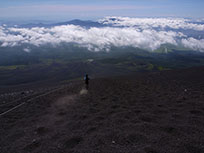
{"x":158,"y":112}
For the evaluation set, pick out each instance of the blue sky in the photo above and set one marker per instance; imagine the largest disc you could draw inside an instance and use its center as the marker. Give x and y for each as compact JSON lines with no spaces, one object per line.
{"x":94,"y":9}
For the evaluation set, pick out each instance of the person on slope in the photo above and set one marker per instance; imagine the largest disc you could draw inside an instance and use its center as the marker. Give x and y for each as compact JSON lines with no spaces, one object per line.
{"x":86,"y":79}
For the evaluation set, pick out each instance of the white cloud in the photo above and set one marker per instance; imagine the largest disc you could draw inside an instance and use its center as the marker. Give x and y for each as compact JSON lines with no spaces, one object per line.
{"x":147,"y":23}
{"x":27,"y":50}
{"x":93,"y":38}
{"x":193,"y":43}
{"x":97,"y":39}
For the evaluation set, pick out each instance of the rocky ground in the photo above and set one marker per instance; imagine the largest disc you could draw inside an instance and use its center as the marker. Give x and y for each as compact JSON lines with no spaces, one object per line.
{"x":157,"y":112}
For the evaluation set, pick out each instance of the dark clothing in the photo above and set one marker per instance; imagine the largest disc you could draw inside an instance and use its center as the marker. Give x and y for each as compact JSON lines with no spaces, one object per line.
{"x":86,"y":79}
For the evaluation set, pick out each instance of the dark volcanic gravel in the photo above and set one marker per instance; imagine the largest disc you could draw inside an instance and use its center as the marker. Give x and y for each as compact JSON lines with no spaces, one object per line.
{"x":158,"y":112}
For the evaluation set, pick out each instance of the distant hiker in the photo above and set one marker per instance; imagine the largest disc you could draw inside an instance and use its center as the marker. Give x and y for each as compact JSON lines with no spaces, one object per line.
{"x":86,"y":79}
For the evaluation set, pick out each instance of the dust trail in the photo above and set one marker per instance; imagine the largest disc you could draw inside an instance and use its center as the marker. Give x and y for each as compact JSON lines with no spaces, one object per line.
{"x":57,"y":112}
{"x":83,"y":91}
{"x":65,"y":101}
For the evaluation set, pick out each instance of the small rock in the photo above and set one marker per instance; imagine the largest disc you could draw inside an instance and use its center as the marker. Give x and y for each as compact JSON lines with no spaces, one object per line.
{"x":34,"y":140}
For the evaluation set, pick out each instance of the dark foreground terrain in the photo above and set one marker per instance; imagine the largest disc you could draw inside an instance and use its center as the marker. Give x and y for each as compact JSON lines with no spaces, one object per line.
{"x":153,"y":112}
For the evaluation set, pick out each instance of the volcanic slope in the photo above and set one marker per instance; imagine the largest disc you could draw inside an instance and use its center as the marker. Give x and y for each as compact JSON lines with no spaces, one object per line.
{"x":153,"y":112}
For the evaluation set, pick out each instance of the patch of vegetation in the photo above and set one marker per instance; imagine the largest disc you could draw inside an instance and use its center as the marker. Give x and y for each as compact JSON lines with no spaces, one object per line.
{"x":150,"y":67}
{"x":12,"y":67}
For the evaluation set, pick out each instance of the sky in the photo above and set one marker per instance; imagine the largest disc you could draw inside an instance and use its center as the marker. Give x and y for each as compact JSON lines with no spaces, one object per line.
{"x":61,"y":10}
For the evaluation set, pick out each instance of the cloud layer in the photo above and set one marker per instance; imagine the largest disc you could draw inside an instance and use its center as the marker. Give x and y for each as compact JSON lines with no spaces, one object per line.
{"x":145,"y":33}
{"x":149,"y":23}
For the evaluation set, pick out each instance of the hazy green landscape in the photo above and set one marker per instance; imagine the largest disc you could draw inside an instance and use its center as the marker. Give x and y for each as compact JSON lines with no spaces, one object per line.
{"x":68,"y":62}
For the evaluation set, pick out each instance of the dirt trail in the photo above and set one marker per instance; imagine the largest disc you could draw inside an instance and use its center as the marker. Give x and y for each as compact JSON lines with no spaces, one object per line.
{"x":56,"y":113}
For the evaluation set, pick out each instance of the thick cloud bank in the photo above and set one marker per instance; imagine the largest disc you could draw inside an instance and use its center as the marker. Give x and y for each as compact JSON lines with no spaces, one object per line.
{"x":149,"y":23}
{"x":145,"y":33}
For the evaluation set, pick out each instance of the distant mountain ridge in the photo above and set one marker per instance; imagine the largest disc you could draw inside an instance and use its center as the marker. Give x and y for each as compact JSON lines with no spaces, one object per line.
{"x":82,"y":23}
